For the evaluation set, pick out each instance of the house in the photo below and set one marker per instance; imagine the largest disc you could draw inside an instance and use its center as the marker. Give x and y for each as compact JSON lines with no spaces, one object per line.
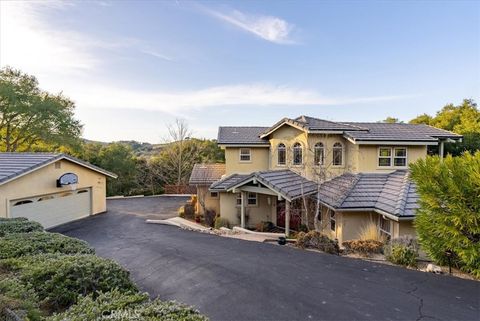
{"x":51,"y":189}
{"x":204,"y":175}
{"x":336,"y":175}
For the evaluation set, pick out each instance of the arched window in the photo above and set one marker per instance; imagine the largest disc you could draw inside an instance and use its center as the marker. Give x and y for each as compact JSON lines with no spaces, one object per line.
{"x":319,"y":154}
{"x":282,"y":154}
{"x":297,"y":154}
{"x":337,"y":154}
{"x":23,"y":202}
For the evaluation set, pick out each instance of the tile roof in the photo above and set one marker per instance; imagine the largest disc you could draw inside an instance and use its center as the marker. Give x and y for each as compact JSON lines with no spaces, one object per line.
{"x":13,"y":165}
{"x":206,"y":174}
{"x":355,"y":131}
{"x":287,"y":183}
{"x":241,"y":135}
{"x":393,"y":193}
{"x":225,"y":183}
{"x":398,"y":132}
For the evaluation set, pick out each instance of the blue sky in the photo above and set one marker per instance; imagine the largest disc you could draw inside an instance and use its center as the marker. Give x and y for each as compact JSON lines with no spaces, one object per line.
{"x":133,"y":66}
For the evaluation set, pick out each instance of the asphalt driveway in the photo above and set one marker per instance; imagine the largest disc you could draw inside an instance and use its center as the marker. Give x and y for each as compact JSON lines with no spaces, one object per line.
{"x":230,"y":279}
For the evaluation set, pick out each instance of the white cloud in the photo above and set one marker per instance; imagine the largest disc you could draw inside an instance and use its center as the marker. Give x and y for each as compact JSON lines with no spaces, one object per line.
{"x":156,"y":54}
{"x":183,"y":101}
{"x":269,"y":28}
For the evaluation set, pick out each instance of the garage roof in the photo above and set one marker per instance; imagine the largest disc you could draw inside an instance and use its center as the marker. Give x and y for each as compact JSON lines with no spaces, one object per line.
{"x":15,"y":165}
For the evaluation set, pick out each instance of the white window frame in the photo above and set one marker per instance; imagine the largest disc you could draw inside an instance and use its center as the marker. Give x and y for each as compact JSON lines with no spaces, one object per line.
{"x":400,"y":157}
{"x":392,"y":157}
{"x":301,"y":154}
{"x":240,"y":154}
{"x":382,"y":231}
{"x":238,"y":199}
{"x":284,"y":149}
{"x":384,"y":157}
{"x":252,"y":196}
{"x":321,"y":147}
{"x":332,"y":216}
{"x":333,"y":154}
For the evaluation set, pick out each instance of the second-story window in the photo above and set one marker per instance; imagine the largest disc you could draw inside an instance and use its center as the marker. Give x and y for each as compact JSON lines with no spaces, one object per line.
{"x":384,"y":157}
{"x":319,"y":154}
{"x":282,"y":154}
{"x":337,"y":154}
{"x":245,"y":155}
{"x":400,"y":156}
{"x":297,"y":154}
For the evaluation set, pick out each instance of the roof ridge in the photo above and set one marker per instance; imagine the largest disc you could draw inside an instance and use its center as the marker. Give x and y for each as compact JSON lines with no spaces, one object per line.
{"x":404,"y":191}
{"x":351,"y":188}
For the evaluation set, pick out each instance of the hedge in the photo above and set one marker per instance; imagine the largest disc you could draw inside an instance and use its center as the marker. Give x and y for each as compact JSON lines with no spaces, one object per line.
{"x":21,"y":244}
{"x":363,"y":247}
{"x":316,"y":240}
{"x":11,"y":226}
{"x":448,"y":218}
{"x":59,"y":279}
{"x":20,"y":298}
{"x":119,"y":306}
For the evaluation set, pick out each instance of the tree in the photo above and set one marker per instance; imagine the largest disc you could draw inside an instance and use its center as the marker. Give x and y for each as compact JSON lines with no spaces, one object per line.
{"x":449,"y":213}
{"x":31,"y":118}
{"x":391,"y":120}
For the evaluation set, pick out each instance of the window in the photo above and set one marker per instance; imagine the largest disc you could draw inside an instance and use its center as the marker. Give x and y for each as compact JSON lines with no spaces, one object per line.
{"x":319,"y":154}
{"x":214,"y":194}
{"x":282,"y":154}
{"x":400,"y":156}
{"x":252,"y":199}
{"x":384,"y":227}
{"x":332,"y":220}
{"x":388,"y":157}
{"x":239,"y":199}
{"x":245,"y":154}
{"x":297,"y":154}
{"x":45,"y":198}
{"x":337,"y":154}
{"x":384,"y":157}
{"x":23,"y":202}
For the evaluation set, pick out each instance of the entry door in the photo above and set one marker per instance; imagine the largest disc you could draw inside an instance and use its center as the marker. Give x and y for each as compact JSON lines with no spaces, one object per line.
{"x":55,"y":209}
{"x":281,"y":213}
{"x":295,"y":215}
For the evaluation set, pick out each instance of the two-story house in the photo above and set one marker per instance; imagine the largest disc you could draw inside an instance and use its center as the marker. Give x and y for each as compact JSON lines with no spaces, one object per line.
{"x":335,"y":176}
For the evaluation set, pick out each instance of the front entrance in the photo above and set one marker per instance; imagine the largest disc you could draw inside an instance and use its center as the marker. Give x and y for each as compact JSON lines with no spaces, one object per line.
{"x":295,"y":215}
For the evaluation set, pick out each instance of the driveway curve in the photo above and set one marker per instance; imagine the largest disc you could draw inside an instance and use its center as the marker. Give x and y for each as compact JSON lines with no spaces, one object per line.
{"x":230,"y":279}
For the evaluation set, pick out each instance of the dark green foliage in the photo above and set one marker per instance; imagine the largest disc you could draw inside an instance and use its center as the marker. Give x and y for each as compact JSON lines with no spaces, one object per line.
{"x":11,"y":226}
{"x":210,"y":216}
{"x":127,"y":307}
{"x":19,"y":297}
{"x":17,"y":219}
{"x":448,"y":217}
{"x":363,"y":247}
{"x":403,"y":251}
{"x":316,"y":240}
{"x":21,"y":244}
{"x":59,"y":279}
{"x":221,"y":222}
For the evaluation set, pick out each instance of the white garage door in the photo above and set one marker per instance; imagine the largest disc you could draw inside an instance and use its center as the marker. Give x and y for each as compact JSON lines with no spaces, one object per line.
{"x":55,"y":209}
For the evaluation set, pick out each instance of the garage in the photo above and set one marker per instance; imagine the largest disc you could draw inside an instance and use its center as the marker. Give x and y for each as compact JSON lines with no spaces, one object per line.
{"x":52,"y":189}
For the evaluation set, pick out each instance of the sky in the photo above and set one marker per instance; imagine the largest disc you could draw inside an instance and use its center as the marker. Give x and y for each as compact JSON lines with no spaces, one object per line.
{"x":132,"y":67}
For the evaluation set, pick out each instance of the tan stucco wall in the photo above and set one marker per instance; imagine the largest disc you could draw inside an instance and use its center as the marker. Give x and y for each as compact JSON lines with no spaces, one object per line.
{"x":407,"y":228}
{"x":368,"y":157}
{"x":260,"y":213}
{"x":259,"y":160}
{"x":43,"y":181}
{"x":212,"y":203}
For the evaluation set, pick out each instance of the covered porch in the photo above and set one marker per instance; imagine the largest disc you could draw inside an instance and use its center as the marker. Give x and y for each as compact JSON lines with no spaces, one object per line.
{"x":282,"y":190}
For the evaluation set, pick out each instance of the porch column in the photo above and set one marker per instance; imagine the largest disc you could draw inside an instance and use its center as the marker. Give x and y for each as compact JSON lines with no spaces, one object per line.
{"x":441,"y":152}
{"x":287,"y":218}
{"x":242,"y":209}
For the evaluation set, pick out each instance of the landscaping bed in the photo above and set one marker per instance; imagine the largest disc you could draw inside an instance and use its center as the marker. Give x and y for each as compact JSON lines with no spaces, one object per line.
{"x":49,"y":276}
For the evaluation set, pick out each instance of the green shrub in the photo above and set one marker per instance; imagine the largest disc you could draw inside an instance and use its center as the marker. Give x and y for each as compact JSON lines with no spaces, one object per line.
{"x":20,"y":298}
{"x":181,"y":212}
{"x":448,"y":218}
{"x":316,"y":240}
{"x":221,"y":222}
{"x":210,"y":216}
{"x":59,"y":279}
{"x":21,"y":244}
{"x":403,"y":251}
{"x":125,"y":307}
{"x":17,"y":219}
{"x":100,"y":306}
{"x":363,"y":247}
{"x":11,"y":226}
